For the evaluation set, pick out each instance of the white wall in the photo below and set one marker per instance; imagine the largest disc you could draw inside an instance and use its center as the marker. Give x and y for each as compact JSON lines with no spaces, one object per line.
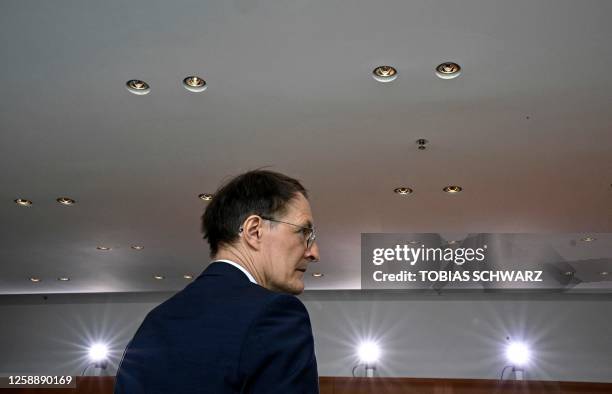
{"x":455,"y":335}
{"x":464,"y":336}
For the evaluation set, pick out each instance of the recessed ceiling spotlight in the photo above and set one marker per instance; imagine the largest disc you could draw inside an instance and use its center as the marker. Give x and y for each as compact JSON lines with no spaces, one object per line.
{"x":384,"y":73}
{"x":317,"y":274}
{"x":138,"y":87}
{"x":413,"y":242}
{"x":158,"y":277}
{"x":63,"y":279}
{"x":103,"y":248}
{"x":604,"y":273}
{"x":569,"y":273}
{"x":205,"y":196}
{"x":453,"y":242}
{"x":194,"y":84}
{"x":23,"y":202}
{"x":448,"y":70}
{"x":137,"y":247}
{"x":34,"y":279}
{"x":187,"y":276}
{"x":402,"y":190}
{"x":588,"y":239}
{"x":66,"y":201}
{"x":452,"y":189}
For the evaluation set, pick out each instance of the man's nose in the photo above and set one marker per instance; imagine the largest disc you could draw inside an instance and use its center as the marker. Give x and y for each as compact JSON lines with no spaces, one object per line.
{"x":312,"y":254}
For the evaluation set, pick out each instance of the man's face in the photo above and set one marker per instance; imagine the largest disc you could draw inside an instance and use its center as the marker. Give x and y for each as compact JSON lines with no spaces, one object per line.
{"x":285,"y":249}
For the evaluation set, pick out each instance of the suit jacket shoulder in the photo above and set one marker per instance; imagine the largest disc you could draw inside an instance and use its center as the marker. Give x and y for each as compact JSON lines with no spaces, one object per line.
{"x":217,"y":336}
{"x":278,"y":353}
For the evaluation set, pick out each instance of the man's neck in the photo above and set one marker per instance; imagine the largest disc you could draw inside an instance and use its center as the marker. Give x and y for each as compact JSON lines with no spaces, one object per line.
{"x":244,"y":263}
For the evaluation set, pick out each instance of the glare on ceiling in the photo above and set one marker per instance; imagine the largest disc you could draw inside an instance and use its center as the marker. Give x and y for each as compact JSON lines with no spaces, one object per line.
{"x":137,"y":247}
{"x":23,"y":202}
{"x":402,"y":190}
{"x":588,"y":239}
{"x":158,"y":277}
{"x":138,"y":87}
{"x":317,"y":274}
{"x":63,"y":279}
{"x":187,"y":276}
{"x":103,"y":248}
{"x":448,"y":70}
{"x":35,"y":279}
{"x":65,"y":201}
{"x":384,"y":73}
{"x":194,"y":84}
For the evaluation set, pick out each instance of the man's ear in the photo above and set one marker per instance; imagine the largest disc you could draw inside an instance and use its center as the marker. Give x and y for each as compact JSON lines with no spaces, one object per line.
{"x":252,"y":231}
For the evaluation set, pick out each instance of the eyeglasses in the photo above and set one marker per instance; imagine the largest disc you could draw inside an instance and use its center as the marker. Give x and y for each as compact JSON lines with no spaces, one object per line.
{"x":307,"y":232}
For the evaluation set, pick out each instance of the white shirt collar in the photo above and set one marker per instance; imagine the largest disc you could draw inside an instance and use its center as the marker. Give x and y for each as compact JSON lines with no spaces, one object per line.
{"x":241,"y":268}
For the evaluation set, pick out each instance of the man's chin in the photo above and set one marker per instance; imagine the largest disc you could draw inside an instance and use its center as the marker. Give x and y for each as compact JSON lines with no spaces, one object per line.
{"x":296,"y":288}
{"x":298,"y":291}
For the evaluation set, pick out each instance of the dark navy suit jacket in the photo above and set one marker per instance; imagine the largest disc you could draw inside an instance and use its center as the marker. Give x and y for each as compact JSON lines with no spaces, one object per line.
{"x":222,"y":334}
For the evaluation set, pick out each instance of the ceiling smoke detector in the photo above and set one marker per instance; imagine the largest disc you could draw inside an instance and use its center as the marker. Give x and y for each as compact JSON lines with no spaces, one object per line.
{"x":421,"y":142}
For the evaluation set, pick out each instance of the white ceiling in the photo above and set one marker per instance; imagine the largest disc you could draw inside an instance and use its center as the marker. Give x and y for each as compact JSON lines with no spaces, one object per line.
{"x":526,"y":130}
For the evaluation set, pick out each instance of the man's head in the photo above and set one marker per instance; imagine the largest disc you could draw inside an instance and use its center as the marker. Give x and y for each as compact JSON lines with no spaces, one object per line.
{"x":264,"y":219}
